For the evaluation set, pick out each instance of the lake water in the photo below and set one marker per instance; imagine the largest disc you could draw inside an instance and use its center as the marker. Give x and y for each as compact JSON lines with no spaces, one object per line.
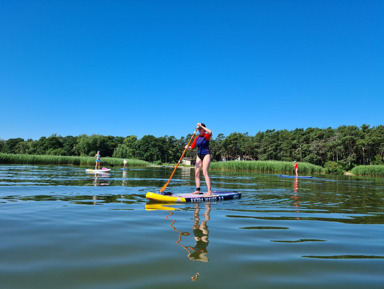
{"x":63,"y":228}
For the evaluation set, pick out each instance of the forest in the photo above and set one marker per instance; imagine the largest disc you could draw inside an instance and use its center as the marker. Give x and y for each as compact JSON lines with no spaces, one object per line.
{"x":345,"y":146}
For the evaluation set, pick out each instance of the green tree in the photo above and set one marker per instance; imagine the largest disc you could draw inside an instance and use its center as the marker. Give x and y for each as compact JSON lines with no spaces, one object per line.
{"x":236,"y":145}
{"x":171,"y":150}
{"x":10,"y":146}
{"x":54,"y":142}
{"x":216,"y":147}
{"x":147,"y":149}
{"x":2,"y":144}
{"x":69,"y":144}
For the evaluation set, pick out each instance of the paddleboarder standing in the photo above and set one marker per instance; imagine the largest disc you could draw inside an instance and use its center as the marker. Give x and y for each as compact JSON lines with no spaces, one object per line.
{"x":98,"y":160}
{"x":296,"y":167}
{"x":203,"y":158}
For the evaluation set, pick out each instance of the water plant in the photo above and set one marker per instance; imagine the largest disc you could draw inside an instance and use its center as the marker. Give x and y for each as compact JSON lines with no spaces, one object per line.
{"x":266,"y":167}
{"x":373,"y":170}
{"x":65,"y":160}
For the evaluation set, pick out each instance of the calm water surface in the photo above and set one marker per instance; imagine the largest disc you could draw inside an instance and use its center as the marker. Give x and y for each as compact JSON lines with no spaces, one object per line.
{"x":63,"y":228}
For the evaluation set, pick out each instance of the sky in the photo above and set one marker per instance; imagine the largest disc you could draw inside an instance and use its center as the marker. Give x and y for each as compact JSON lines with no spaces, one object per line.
{"x":158,"y":67}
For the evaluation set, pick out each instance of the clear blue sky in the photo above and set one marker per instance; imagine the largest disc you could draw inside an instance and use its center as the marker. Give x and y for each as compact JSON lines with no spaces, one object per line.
{"x":158,"y":67}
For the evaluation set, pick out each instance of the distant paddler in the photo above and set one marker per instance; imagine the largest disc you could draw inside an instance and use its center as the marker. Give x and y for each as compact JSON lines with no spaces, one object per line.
{"x":296,"y":167}
{"x":98,"y":160}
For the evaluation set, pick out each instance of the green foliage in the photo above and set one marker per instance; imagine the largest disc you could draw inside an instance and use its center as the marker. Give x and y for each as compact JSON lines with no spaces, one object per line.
{"x":374,"y":171}
{"x":56,"y":152}
{"x":331,"y":167}
{"x":122,"y":151}
{"x":65,"y":160}
{"x":236,"y":145}
{"x":378,"y":160}
{"x":266,"y":167}
{"x":347,"y":146}
{"x":148,"y":148}
{"x":11,"y":145}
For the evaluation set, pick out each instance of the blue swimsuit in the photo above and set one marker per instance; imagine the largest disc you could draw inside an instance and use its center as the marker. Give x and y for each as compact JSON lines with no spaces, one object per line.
{"x":202,"y":146}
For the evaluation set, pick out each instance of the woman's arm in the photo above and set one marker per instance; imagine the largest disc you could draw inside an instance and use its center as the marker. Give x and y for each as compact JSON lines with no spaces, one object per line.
{"x":193,"y":144}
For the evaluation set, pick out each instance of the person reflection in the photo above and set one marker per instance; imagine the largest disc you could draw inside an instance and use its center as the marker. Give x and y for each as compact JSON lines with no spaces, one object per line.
{"x":99,"y":181}
{"x":295,"y":195}
{"x":124,"y":178}
{"x":200,"y":232}
{"x":96,"y":181}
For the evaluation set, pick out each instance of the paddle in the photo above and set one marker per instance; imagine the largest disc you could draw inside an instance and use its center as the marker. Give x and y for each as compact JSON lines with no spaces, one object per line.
{"x":163,"y":188}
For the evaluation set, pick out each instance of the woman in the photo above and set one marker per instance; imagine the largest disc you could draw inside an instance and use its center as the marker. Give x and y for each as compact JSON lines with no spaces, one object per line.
{"x":296,"y":168}
{"x":98,"y":160}
{"x":203,"y":158}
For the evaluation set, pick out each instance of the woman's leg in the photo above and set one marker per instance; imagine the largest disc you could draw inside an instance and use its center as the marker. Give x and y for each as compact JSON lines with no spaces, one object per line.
{"x":197,"y":174}
{"x":206,"y":163}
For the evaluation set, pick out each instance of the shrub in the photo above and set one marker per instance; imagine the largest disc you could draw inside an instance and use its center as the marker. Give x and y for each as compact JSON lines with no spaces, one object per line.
{"x":333,"y":168}
{"x":374,"y":171}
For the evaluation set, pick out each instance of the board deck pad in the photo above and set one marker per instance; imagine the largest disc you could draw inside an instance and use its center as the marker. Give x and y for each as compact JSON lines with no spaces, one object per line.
{"x":191,"y":198}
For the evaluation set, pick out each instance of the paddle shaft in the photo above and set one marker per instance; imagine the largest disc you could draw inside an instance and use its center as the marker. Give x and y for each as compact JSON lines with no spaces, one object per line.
{"x":174,"y":170}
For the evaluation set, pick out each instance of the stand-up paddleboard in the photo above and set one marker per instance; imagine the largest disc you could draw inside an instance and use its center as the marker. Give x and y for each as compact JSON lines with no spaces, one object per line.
{"x":299,"y":177}
{"x":103,"y":170}
{"x":191,"y":198}
{"x":124,"y":169}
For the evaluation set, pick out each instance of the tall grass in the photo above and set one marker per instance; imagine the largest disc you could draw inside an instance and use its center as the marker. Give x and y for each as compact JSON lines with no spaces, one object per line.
{"x":373,"y":170}
{"x":266,"y":167}
{"x":65,"y":160}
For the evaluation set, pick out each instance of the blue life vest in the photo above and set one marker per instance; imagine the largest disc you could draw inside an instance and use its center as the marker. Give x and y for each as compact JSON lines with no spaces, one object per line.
{"x":202,"y":145}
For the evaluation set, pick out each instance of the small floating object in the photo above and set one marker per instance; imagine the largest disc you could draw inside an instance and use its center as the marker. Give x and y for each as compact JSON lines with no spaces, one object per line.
{"x":124,"y":169}
{"x":191,"y":198}
{"x":195,"y":277}
{"x":299,"y":177}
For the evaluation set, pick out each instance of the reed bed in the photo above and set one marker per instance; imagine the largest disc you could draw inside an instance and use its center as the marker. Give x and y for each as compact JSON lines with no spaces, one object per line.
{"x":373,"y":171}
{"x":266,"y":167}
{"x":66,"y":160}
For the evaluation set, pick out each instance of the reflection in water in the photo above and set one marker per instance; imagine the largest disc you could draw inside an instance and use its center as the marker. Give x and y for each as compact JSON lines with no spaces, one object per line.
{"x":296,"y":196}
{"x":180,"y":234}
{"x":99,"y":181}
{"x":186,"y":173}
{"x":338,"y":243}
{"x":200,"y":231}
{"x":124,"y":178}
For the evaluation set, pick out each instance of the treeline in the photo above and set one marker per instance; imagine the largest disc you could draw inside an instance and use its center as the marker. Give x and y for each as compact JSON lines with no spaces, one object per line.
{"x":345,"y":146}
{"x":66,"y":160}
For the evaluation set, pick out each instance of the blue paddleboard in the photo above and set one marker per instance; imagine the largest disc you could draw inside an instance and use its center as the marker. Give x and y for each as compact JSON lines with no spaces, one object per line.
{"x":299,"y":177}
